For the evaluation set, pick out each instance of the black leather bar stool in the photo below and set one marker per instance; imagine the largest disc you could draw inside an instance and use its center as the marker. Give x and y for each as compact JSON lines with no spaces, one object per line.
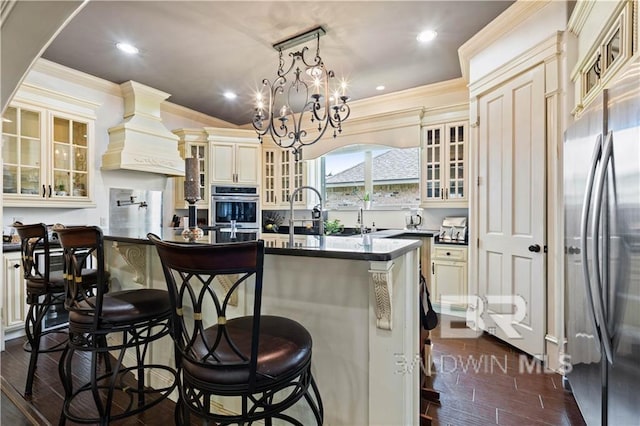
{"x":116,"y":321}
{"x":45,"y":288}
{"x":263,"y":361}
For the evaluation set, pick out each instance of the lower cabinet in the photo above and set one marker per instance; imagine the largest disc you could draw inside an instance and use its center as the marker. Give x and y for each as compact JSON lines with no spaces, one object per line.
{"x":449,"y":277}
{"x":14,"y":303}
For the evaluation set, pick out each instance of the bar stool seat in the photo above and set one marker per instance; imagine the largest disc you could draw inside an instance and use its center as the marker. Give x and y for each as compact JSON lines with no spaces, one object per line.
{"x":285,"y":349}
{"x":124,"y":307}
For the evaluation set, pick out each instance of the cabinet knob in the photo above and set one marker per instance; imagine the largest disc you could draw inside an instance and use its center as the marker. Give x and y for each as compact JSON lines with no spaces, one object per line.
{"x":534,"y":248}
{"x":16,"y":265}
{"x":448,"y":253}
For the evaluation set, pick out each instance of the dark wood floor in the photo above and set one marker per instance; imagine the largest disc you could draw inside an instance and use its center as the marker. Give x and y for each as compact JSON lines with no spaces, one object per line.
{"x":478,"y":380}
{"x":481,"y":382}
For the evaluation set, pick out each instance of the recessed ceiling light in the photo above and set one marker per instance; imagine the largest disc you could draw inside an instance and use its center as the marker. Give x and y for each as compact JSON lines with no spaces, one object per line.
{"x":426,"y":36}
{"x":381,"y":87}
{"x":230,"y":95}
{"x":127,"y":48}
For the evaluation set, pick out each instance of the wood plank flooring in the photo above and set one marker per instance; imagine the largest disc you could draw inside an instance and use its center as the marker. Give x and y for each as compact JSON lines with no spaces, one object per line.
{"x":479,"y":381}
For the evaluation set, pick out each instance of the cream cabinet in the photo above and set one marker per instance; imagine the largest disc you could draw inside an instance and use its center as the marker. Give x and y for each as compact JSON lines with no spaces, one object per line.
{"x":14,"y":302}
{"x":444,"y":164}
{"x":193,"y":143}
{"x":281,"y":175}
{"x":449,"y":276}
{"x":46,"y":157}
{"x":234,"y":156}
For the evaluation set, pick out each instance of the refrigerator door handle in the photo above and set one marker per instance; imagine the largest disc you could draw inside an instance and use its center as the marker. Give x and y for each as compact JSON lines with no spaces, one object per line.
{"x":595,"y":234}
{"x":584,"y":228}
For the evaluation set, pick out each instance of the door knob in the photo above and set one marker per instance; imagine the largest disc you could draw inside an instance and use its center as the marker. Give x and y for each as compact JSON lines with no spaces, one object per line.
{"x":535,"y":248}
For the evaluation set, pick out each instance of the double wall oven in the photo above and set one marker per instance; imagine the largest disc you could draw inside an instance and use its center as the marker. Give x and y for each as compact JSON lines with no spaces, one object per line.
{"x":235,"y":206}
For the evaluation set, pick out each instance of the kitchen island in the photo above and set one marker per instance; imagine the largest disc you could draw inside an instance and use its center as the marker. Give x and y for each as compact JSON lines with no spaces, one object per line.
{"x":357,"y":296}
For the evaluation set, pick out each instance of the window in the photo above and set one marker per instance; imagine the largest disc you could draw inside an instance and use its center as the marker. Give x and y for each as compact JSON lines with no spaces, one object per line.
{"x":390,"y":177}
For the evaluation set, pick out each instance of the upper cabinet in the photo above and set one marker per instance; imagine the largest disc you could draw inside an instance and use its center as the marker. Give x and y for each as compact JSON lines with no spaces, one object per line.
{"x":444,"y":164}
{"x":46,"y":157}
{"x":601,"y":56}
{"x":235,"y":156}
{"x":281,"y":175}
{"x":193,"y":143}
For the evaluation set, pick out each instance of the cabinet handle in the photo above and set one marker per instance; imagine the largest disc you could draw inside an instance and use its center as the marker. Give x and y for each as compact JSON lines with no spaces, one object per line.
{"x":446,"y":194}
{"x":433,"y":268}
{"x":44,"y":191}
{"x":49,"y":191}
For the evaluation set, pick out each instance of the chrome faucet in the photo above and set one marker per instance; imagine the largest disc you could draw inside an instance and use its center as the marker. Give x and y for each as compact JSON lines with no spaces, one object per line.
{"x":320,"y":220}
{"x":361,"y":221}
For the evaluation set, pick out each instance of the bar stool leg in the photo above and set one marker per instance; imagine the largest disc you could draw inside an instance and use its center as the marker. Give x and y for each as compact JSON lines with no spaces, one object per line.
{"x":33,"y":330}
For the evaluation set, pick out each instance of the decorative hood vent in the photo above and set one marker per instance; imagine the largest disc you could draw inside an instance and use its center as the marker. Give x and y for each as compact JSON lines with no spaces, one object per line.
{"x":141,"y":142}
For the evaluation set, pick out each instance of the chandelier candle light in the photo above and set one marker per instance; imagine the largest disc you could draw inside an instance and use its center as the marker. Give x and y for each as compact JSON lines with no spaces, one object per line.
{"x":191,"y":196}
{"x":299,"y":93}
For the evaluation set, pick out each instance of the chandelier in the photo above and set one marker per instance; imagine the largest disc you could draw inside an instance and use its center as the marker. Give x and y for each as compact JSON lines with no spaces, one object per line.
{"x":303,"y":100}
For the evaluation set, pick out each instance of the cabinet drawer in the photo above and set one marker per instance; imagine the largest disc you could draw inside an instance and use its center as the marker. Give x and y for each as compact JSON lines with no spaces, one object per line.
{"x":450,"y":253}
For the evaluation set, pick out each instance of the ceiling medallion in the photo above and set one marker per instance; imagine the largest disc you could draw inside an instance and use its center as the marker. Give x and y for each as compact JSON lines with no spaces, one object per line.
{"x":303,"y":93}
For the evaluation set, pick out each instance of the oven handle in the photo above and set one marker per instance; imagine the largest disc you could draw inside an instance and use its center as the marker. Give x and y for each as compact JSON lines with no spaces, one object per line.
{"x":235,"y":198}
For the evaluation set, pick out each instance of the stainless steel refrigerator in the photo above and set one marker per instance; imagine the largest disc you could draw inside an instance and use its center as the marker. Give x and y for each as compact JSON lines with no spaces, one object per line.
{"x":602,"y":246}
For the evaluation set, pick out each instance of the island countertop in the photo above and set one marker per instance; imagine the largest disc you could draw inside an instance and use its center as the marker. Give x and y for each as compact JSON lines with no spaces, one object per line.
{"x":370,"y":247}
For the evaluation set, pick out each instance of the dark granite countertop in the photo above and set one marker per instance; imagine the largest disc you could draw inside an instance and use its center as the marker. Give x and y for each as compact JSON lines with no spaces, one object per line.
{"x":377,"y":246}
{"x":371,"y":247}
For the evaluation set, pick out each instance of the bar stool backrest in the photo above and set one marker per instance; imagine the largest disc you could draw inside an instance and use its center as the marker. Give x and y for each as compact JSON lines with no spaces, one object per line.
{"x":190,"y":271}
{"x":83,"y":245}
{"x":34,"y":237}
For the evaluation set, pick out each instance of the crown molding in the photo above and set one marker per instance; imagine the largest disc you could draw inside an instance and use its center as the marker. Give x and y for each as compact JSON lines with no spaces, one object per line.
{"x":171,"y":108}
{"x":5,"y":9}
{"x":417,"y":94}
{"x":54,"y":69}
{"x":504,"y":23}
{"x":579,"y":16}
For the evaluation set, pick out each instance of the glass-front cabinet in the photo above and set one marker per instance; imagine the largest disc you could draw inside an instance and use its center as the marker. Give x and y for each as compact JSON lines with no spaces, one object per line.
{"x":281,"y":175}
{"x":45,"y":157}
{"x":444,"y":154}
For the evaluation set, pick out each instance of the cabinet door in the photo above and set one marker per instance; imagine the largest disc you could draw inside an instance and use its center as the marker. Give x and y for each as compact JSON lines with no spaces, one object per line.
{"x":432,"y":152}
{"x":69,"y":158}
{"x":456,"y":155}
{"x":222,"y":162}
{"x":22,"y":152}
{"x":292,"y":176}
{"x":246,"y":163}
{"x":269,"y":178}
{"x":14,"y":296}
{"x":450,"y":283}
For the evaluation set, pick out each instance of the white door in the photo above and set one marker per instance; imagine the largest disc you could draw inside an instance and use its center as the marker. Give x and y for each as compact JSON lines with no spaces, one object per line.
{"x":511,"y":217}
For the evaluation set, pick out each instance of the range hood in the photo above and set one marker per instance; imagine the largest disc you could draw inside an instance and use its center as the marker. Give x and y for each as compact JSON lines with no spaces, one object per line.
{"x":141,"y":142}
